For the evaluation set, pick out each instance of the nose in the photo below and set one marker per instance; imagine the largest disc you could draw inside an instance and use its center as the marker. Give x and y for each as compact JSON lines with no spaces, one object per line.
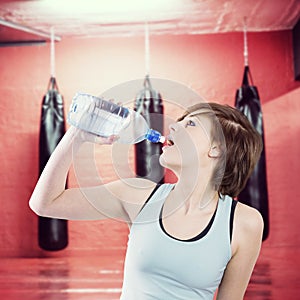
{"x":173,"y":127}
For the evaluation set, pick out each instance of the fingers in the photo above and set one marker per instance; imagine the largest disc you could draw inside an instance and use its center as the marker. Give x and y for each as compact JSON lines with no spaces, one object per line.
{"x":106,"y":140}
{"x":84,"y":136}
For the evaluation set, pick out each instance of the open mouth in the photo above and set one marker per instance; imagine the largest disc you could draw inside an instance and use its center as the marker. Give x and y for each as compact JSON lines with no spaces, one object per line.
{"x":170,"y":141}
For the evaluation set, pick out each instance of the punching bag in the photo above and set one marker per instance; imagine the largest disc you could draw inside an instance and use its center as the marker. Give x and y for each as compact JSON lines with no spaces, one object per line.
{"x":255,"y":193}
{"x":149,"y":103}
{"x":52,"y":233}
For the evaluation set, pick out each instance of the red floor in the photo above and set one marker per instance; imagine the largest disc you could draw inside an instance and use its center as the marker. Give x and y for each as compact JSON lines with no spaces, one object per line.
{"x":276,"y":277}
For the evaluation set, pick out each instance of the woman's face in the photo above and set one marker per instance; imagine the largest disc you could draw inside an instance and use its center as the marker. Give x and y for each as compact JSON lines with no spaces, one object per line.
{"x":189,"y":143}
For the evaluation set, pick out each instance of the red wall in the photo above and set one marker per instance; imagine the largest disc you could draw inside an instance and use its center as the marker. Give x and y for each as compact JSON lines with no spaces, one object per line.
{"x":210,"y":64}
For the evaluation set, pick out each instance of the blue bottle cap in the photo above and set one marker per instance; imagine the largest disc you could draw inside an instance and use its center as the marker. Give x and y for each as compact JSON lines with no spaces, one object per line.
{"x":153,"y":136}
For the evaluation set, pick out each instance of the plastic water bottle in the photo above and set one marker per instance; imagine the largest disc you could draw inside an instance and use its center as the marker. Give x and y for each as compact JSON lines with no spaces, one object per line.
{"x":105,"y":118}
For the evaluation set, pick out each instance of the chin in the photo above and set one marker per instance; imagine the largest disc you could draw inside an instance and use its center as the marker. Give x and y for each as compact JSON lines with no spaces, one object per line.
{"x":173,"y":166}
{"x":162,"y":160}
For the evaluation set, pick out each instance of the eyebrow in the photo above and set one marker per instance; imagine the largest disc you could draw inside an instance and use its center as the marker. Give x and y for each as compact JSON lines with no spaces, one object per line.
{"x":195,"y":113}
{"x":192,"y":118}
{"x":200,"y":112}
{"x":187,"y":117}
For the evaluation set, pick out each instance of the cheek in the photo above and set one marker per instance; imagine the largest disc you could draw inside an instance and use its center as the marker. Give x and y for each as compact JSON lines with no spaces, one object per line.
{"x":202,"y":142}
{"x":190,"y":149}
{"x":196,"y":144}
{"x":203,"y":147}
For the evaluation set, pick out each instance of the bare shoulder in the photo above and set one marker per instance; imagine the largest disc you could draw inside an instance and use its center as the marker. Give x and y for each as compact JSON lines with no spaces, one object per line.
{"x":132,"y":194}
{"x":131,"y":190}
{"x":248,"y":222}
{"x":248,"y":217}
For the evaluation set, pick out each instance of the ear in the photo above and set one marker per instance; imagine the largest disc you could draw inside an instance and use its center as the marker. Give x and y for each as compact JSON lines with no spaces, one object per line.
{"x":214,"y":152}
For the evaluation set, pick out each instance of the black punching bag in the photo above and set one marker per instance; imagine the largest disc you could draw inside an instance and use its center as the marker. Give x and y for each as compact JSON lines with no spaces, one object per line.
{"x":52,"y":233}
{"x":255,"y":193}
{"x":149,"y":104}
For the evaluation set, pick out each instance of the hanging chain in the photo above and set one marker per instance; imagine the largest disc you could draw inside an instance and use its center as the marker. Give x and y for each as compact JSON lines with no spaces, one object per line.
{"x":52,"y":54}
{"x":245,"y":43}
{"x":147,"y":49}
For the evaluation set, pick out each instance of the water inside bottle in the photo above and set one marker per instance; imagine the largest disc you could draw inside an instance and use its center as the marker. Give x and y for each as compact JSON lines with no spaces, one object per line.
{"x":105,"y":118}
{"x":97,"y":116}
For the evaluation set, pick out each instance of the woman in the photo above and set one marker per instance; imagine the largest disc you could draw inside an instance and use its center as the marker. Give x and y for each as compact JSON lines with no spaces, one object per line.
{"x":188,"y":239}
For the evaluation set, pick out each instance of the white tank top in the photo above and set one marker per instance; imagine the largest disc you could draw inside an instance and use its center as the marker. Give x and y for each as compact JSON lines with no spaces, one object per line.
{"x":158,"y":266}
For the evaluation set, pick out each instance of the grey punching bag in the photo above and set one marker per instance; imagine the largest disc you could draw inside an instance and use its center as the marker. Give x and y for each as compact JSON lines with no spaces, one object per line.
{"x":52,"y":233}
{"x":255,"y":193}
{"x":149,"y":104}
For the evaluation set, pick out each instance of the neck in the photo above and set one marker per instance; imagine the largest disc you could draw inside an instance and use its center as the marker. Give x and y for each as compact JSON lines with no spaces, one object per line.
{"x":194,"y":195}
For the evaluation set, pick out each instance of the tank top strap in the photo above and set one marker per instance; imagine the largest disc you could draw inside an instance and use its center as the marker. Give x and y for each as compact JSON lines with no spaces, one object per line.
{"x":151,"y":209}
{"x":223,"y":217}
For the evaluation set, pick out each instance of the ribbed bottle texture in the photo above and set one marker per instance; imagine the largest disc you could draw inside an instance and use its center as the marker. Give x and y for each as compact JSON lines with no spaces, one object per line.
{"x":105,"y":118}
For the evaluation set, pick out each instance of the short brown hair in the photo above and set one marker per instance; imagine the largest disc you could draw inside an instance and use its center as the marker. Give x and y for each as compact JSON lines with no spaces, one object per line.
{"x":241,"y":146}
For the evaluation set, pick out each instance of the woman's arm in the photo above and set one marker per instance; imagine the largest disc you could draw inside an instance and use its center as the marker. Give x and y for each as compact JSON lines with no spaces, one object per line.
{"x":246,"y":240}
{"x":51,"y":199}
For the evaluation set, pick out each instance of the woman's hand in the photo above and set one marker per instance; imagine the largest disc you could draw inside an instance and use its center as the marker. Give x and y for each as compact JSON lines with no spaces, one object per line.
{"x":83,"y":136}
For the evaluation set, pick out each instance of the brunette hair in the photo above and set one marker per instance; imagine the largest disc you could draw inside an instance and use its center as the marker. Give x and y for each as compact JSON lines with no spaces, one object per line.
{"x":240,"y":146}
